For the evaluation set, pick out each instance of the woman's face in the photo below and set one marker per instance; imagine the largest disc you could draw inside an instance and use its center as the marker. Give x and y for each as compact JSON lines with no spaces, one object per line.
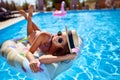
{"x":60,"y":39}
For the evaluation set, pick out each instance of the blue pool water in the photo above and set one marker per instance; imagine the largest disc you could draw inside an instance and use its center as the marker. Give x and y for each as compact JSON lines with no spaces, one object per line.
{"x":99,"y":58}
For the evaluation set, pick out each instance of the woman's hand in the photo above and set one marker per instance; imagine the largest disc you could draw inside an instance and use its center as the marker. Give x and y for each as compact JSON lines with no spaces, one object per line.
{"x":70,"y":56}
{"x":35,"y":66}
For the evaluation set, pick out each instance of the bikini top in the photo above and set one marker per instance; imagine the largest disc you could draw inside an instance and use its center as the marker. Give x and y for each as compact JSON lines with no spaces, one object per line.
{"x":45,"y":47}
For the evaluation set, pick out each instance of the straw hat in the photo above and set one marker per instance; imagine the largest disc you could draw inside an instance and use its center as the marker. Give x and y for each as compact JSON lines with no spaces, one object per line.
{"x":74,"y":41}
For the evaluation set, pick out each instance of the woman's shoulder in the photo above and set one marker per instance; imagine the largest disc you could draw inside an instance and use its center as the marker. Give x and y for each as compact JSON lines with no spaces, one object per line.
{"x":45,"y":33}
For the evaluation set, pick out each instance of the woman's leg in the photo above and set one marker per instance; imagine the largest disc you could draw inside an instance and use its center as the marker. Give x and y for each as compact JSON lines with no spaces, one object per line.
{"x":29,"y":25}
{"x":22,"y":12}
{"x":25,"y":15}
{"x":31,"y":33}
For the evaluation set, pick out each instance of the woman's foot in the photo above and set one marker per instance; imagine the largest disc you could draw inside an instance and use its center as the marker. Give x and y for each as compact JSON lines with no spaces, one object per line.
{"x":30,"y":9}
{"x":22,"y":12}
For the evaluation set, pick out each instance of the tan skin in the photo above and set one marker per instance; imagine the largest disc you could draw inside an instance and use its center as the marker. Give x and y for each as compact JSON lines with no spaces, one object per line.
{"x":38,"y":38}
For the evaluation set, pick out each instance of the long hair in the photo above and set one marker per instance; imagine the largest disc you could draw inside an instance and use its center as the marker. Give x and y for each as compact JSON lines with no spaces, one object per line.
{"x":61,"y":51}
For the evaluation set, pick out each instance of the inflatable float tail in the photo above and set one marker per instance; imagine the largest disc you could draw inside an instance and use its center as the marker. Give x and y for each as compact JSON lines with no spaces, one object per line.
{"x":12,"y":52}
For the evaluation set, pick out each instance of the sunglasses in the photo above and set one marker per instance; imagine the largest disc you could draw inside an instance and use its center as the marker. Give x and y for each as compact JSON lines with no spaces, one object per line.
{"x":59,"y":33}
{"x":60,"y":40}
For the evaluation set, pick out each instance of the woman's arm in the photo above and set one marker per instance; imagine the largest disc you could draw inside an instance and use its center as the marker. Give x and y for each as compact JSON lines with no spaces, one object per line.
{"x":42,"y":38}
{"x":30,"y":56}
{"x":33,"y":63}
{"x":47,"y":59}
{"x":36,"y":43}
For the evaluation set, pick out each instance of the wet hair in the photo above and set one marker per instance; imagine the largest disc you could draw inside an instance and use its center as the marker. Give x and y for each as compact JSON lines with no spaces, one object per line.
{"x":61,"y":51}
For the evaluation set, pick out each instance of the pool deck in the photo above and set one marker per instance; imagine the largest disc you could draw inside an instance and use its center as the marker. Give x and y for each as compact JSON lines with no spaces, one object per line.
{"x":6,"y":23}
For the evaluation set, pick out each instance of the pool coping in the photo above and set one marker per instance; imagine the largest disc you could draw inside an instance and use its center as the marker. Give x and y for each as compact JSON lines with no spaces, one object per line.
{"x":11,"y":21}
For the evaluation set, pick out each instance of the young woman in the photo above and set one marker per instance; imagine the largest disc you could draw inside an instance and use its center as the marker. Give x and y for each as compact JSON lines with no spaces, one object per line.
{"x":54,"y":46}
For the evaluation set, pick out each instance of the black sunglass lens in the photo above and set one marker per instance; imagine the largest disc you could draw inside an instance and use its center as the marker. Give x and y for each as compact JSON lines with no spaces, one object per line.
{"x":59,"y":33}
{"x":60,"y":40}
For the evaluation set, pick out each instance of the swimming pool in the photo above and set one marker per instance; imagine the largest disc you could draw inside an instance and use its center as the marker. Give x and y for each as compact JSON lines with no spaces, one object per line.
{"x":99,"y":58}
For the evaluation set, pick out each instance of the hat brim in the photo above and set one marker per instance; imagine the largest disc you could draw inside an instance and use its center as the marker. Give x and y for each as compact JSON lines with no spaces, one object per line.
{"x":73,"y":40}
{"x":68,"y":39}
